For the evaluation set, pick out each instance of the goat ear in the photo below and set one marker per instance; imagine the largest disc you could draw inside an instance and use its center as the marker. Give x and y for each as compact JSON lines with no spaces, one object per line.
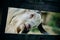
{"x":40,"y":27}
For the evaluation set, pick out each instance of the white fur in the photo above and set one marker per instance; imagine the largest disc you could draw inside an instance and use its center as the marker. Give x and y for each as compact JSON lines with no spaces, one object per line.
{"x":22,"y":16}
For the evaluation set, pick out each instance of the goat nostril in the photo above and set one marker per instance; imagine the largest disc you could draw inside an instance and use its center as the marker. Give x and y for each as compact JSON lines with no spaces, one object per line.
{"x":18,"y":29}
{"x":29,"y":26}
{"x":31,"y":15}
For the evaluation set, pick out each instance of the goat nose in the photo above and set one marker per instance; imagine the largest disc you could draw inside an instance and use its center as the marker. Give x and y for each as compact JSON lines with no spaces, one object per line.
{"x":28,"y":26}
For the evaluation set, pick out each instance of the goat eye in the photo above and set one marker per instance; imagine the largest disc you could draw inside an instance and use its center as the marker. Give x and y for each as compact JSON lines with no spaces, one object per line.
{"x":31,"y":15}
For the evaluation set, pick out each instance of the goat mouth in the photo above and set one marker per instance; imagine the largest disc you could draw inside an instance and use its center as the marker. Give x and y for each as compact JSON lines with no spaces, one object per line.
{"x":26,"y":28}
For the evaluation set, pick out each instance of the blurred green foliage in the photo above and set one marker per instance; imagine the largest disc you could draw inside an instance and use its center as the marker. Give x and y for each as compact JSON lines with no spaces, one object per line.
{"x":35,"y":29}
{"x":56,"y":30}
{"x":55,"y":22}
